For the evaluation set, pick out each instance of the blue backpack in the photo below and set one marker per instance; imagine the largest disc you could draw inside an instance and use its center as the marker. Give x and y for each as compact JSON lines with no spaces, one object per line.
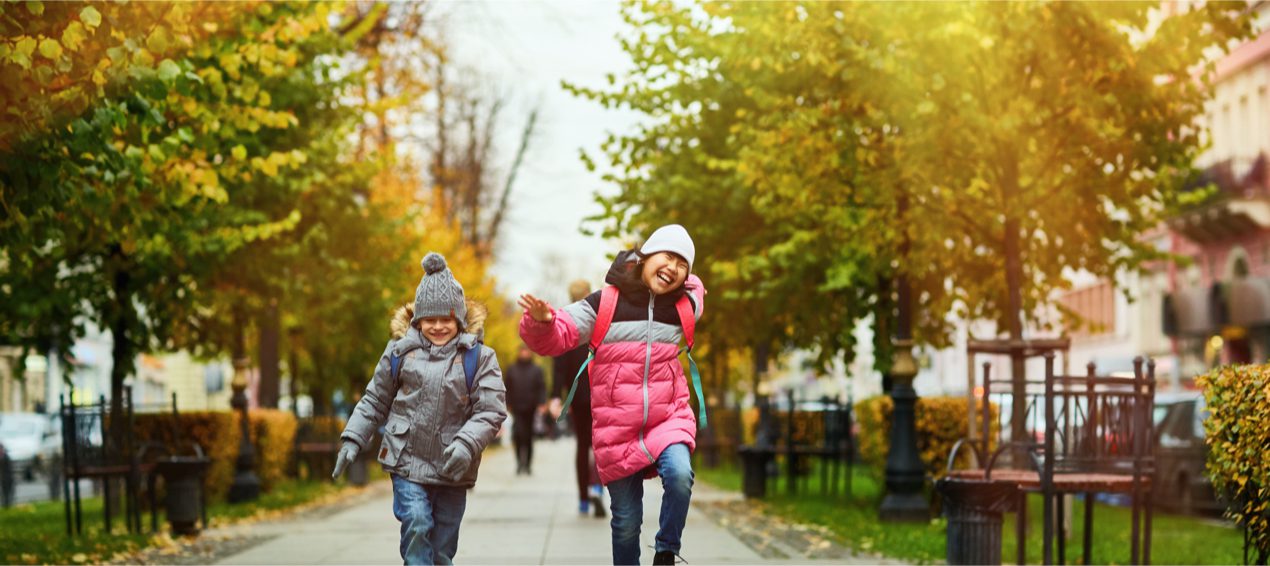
{"x":471,"y":357}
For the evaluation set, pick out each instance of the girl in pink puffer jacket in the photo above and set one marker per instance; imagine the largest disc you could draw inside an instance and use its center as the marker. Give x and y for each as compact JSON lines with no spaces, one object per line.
{"x":642,"y":424}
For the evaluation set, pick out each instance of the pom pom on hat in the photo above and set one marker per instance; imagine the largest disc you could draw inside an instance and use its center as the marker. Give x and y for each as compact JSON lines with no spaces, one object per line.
{"x":433,"y":263}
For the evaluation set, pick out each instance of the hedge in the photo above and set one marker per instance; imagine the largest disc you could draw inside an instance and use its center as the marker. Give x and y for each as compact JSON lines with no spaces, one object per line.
{"x":941,"y":422}
{"x":219,"y":433}
{"x":1237,"y":430}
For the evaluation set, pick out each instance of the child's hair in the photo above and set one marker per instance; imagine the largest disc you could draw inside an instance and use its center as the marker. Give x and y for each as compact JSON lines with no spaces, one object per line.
{"x":631,"y":275}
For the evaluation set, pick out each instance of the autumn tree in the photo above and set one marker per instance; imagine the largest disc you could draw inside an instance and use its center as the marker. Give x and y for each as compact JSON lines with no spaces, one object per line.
{"x":976,"y":150}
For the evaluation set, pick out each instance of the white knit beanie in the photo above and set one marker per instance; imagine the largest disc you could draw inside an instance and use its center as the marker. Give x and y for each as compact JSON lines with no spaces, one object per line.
{"x":670,"y":238}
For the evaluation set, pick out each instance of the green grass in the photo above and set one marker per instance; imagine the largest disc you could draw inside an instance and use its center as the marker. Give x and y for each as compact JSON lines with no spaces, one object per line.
{"x":284,"y":496}
{"x":35,"y":533}
{"x":1175,"y":539}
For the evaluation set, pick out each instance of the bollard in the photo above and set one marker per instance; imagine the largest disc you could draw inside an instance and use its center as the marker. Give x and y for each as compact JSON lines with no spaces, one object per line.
{"x":754,"y":471}
{"x":6,"y":479}
{"x":973,"y":508}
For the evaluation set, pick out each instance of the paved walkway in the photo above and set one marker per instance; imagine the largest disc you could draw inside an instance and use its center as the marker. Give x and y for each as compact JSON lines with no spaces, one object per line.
{"x":510,"y":520}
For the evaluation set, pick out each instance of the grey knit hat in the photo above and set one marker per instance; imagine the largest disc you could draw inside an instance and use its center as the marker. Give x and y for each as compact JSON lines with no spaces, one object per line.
{"x":439,"y":294}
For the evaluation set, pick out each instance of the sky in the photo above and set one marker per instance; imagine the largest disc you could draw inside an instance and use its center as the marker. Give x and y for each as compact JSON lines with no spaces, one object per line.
{"x":525,"y":48}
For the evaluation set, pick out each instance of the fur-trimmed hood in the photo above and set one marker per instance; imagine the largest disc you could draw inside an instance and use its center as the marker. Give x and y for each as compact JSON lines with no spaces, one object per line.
{"x":475,"y":323}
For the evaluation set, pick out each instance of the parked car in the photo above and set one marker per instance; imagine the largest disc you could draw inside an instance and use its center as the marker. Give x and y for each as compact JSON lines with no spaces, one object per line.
{"x":32,"y":440}
{"x":1180,"y":453}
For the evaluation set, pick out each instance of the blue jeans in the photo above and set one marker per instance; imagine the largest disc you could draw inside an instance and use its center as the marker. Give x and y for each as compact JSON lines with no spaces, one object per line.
{"x":627,"y":495}
{"x":430,"y":516}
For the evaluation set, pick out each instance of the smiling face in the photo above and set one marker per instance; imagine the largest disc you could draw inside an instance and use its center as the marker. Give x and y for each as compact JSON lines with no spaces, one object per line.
{"x":439,"y":329}
{"x":664,"y":272}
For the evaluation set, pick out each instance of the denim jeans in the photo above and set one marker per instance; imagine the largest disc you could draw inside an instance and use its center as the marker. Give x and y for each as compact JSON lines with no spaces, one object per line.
{"x":627,"y":495}
{"x":430,"y":517}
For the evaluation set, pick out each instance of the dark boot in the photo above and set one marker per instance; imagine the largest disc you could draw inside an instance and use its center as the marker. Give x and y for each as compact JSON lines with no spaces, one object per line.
{"x":664,"y":557}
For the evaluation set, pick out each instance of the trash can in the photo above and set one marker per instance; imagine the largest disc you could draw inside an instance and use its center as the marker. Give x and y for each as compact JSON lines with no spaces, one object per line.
{"x":754,"y":462}
{"x":183,"y":478}
{"x":973,"y":508}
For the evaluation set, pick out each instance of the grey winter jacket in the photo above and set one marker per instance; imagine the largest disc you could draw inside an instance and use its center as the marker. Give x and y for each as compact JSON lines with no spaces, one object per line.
{"x":429,"y":406}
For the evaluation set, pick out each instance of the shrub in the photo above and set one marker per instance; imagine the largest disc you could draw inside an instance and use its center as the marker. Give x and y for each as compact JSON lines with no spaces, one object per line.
{"x":219,"y":433}
{"x":941,"y":422}
{"x":274,"y":439}
{"x":1237,"y":431}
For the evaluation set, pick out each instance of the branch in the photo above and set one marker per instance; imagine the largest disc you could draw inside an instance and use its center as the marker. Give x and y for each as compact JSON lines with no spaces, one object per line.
{"x":525,"y":135}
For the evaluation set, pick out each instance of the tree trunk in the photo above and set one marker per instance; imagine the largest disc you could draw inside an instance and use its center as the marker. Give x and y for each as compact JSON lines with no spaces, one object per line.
{"x":317,"y":390}
{"x":1014,"y":300}
{"x":238,"y":350}
{"x":761,"y":354}
{"x":294,"y":363}
{"x":882,"y":319}
{"x":270,"y":373}
{"x":123,"y":351}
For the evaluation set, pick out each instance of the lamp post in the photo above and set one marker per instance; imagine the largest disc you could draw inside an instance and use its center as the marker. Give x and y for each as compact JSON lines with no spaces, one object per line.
{"x":905,"y":474}
{"x":246,"y":486}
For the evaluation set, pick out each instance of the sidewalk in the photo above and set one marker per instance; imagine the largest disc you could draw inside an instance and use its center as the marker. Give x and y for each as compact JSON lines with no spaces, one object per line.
{"x":509,"y":520}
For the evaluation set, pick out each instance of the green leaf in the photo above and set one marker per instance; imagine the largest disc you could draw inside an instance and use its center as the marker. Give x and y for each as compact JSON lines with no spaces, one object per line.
{"x":158,"y":41}
{"x":35,"y":7}
{"x":73,"y":36}
{"x":239,"y":152}
{"x":90,"y":16}
{"x":168,"y":70}
{"x":50,"y":48}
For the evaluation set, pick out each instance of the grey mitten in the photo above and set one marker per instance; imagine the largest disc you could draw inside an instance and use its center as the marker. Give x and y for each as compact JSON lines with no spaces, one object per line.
{"x":346,"y":455}
{"x":457,"y":458}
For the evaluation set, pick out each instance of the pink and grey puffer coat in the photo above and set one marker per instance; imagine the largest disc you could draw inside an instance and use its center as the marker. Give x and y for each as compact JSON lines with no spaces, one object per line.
{"x":639,"y":395}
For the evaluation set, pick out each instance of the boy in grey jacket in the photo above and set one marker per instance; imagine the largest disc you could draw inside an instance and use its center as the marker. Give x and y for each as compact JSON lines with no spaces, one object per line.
{"x":436,"y":427}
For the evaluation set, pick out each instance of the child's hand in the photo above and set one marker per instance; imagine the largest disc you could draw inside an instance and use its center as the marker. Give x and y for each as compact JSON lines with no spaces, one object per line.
{"x":346,"y":455}
{"x":457,"y":460}
{"x":538,"y":309}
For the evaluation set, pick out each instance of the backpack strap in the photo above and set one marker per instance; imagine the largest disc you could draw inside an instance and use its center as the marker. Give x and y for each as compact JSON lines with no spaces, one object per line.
{"x":395,"y":362}
{"x":603,"y":320}
{"x":471,"y":358}
{"x":394,"y":365}
{"x":688,"y":320}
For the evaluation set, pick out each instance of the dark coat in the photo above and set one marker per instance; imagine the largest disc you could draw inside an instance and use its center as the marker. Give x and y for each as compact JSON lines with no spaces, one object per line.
{"x":526,"y":387}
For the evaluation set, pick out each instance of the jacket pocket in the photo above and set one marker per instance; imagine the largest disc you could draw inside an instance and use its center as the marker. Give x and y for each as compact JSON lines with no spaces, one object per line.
{"x":396,"y":434}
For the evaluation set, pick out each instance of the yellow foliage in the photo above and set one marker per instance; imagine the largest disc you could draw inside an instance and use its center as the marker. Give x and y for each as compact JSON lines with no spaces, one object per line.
{"x":218,"y":433}
{"x":1237,"y":398}
{"x":941,"y":422}
{"x":425,"y":226}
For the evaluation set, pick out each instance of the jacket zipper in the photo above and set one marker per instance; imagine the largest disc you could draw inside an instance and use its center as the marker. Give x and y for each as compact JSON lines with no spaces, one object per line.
{"x":648,"y":364}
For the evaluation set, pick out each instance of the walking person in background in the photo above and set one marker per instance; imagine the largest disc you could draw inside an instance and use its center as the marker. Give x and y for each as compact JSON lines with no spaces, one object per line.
{"x":563,"y":370}
{"x":643,"y":426}
{"x":439,"y":394}
{"x":526,"y":395}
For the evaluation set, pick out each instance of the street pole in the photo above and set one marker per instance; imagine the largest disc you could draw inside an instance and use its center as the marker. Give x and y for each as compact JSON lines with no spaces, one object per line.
{"x":905,"y":474}
{"x":246,"y":486}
